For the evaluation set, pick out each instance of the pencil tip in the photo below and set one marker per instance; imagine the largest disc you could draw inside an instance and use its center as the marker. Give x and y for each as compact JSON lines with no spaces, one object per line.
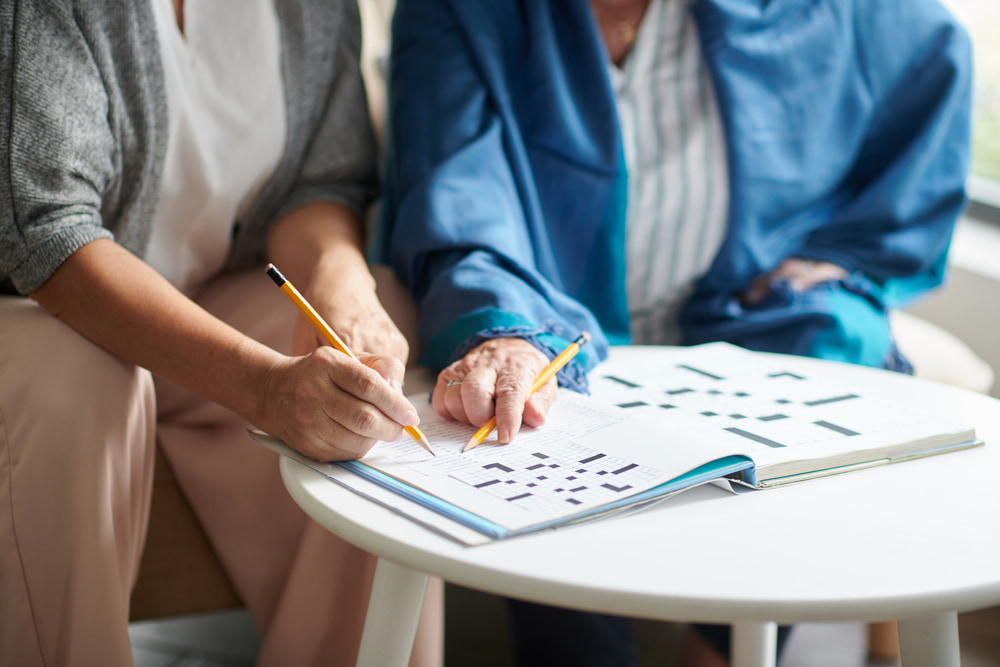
{"x":422,"y":440}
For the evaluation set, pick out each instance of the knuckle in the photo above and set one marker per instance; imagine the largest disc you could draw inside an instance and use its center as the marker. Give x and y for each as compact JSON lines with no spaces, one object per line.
{"x":509,"y":387}
{"x":368,"y":384}
{"x":396,"y":365}
{"x":474,"y":384}
{"x":364,"y":421}
{"x":327,"y":354}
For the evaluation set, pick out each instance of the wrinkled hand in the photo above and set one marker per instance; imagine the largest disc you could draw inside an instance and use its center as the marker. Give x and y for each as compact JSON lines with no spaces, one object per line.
{"x":800,"y":274}
{"x":361,"y":322}
{"x":332,"y":408}
{"x":495,"y":378}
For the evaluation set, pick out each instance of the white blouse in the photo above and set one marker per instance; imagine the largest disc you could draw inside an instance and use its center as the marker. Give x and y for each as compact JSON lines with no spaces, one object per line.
{"x":227,"y":129}
{"x":675,"y":153}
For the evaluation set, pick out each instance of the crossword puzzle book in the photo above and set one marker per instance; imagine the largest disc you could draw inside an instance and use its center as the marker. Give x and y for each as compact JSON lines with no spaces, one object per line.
{"x":654,"y":425}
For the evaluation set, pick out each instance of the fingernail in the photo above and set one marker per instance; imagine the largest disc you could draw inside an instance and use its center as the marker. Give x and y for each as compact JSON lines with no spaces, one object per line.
{"x":411,"y":418}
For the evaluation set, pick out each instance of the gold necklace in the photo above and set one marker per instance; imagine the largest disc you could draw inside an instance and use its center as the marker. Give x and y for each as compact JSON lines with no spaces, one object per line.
{"x":627,"y":33}
{"x":625,"y":29}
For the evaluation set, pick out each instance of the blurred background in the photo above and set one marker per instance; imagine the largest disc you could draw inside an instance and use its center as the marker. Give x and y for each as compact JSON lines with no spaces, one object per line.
{"x":982,"y":18}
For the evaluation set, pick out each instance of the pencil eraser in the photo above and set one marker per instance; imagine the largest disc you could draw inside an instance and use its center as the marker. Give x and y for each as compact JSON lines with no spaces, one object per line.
{"x":275,"y":274}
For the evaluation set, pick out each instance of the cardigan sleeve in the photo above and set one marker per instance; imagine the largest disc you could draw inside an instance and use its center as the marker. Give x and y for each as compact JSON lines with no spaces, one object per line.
{"x":457,"y":223}
{"x":330,"y":153}
{"x":57,"y":152}
{"x":339,"y":161}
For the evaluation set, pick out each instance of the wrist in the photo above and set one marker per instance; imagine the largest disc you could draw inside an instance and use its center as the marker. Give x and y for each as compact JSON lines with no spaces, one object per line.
{"x":250,"y":390}
{"x":341,"y":273}
{"x":316,"y":242}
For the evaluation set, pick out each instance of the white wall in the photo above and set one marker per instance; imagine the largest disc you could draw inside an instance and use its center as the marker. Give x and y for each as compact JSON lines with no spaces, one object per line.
{"x":968,"y":305}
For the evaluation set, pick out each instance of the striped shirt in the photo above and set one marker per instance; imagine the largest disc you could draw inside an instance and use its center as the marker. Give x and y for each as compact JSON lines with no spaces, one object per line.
{"x":675,"y":153}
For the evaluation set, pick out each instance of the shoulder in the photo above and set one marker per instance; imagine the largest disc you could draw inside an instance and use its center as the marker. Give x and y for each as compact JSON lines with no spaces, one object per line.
{"x":475,"y":18}
{"x":309,"y":18}
{"x":112,"y":43}
{"x":96,"y":62}
{"x":896,"y":36}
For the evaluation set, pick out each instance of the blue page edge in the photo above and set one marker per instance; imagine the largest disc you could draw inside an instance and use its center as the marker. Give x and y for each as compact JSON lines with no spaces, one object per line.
{"x":726,"y":466}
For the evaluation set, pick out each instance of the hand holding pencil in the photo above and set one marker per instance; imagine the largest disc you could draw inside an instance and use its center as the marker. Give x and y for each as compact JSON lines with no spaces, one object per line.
{"x":503,"y":382}
{"x":331,"y":337}
{"x":547,"y":373}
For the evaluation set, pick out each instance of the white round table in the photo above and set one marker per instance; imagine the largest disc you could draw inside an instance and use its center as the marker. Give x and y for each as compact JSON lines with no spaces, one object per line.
{"x":917,"y":541}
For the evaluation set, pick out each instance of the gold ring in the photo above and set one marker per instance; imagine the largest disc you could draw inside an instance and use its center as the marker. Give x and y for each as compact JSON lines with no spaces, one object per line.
{"x":454,"y":383}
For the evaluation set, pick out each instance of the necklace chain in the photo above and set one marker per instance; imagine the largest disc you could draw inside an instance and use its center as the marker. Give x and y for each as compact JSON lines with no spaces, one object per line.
{"x":625,"y":27}
{"x":627,"y":32}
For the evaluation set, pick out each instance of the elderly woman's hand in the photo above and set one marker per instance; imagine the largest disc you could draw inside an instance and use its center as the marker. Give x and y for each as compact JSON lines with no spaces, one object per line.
{"x":496,"y":378}
{"x":352,"y":309}
{"x":800,"y":274}
{"x":332,"y":408}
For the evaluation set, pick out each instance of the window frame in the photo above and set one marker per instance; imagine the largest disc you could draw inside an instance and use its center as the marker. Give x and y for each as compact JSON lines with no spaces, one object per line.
{"x":984,"y":199}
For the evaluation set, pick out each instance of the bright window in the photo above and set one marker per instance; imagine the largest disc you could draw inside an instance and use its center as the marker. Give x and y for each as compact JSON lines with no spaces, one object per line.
{"x":982,"y":20}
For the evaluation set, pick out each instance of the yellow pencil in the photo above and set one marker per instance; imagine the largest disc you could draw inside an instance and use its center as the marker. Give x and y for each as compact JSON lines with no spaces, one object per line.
{"x":331,"y":336}
{"x":543,"y":377}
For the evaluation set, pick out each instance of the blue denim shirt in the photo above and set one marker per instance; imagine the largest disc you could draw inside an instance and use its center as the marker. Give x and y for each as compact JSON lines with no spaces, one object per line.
{"x":847,"y":124}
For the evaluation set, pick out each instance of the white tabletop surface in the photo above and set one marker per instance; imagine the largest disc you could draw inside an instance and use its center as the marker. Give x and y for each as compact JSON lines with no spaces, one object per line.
{"x":897,"y":541}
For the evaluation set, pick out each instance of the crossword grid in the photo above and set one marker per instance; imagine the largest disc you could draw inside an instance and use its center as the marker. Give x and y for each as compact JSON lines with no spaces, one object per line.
{"x":784,"y":407}
{"x":563,"y":474}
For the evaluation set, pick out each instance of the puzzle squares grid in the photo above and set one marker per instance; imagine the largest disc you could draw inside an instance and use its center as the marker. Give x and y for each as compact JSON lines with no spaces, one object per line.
{"x":561,"y":475}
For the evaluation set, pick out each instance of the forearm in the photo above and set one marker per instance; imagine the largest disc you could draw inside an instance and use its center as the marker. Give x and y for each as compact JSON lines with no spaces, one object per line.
{"x":320,"y":244}
{"x":118,"y":302}
{"x":319,"y":248}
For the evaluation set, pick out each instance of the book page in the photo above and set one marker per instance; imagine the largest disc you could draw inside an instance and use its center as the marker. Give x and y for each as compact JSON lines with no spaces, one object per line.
{"x":588,"y":454}
{"x":651,"y":420}
{"x":376,"y":493}
{"x":787,"y":421}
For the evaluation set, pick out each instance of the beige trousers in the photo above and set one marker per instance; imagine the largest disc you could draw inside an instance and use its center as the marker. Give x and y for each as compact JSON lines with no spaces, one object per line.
{"x":77,"y":432}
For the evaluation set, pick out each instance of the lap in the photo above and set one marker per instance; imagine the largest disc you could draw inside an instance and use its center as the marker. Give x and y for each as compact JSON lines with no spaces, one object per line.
{"x":57,"y":382}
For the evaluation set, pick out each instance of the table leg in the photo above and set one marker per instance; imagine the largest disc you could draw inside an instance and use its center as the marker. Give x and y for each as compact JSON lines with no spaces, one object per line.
{"x":754,"y":645}
{"x":393,"y":611}
{"x":931,"y":641}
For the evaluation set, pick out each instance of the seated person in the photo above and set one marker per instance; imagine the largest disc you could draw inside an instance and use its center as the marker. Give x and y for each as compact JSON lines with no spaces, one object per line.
{"x":155,"y":155}
{"x":777,"y":174}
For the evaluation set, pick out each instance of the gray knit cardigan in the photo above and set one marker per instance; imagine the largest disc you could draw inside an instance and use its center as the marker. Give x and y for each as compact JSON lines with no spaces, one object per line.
{"x":83,"y":123}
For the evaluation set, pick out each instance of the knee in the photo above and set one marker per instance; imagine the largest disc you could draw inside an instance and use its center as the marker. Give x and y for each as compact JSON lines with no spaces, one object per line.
{"x":57,"y":382}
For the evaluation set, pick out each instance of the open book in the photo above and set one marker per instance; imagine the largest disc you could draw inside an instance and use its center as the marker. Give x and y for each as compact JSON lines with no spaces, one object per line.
{"x":654,"y":425}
